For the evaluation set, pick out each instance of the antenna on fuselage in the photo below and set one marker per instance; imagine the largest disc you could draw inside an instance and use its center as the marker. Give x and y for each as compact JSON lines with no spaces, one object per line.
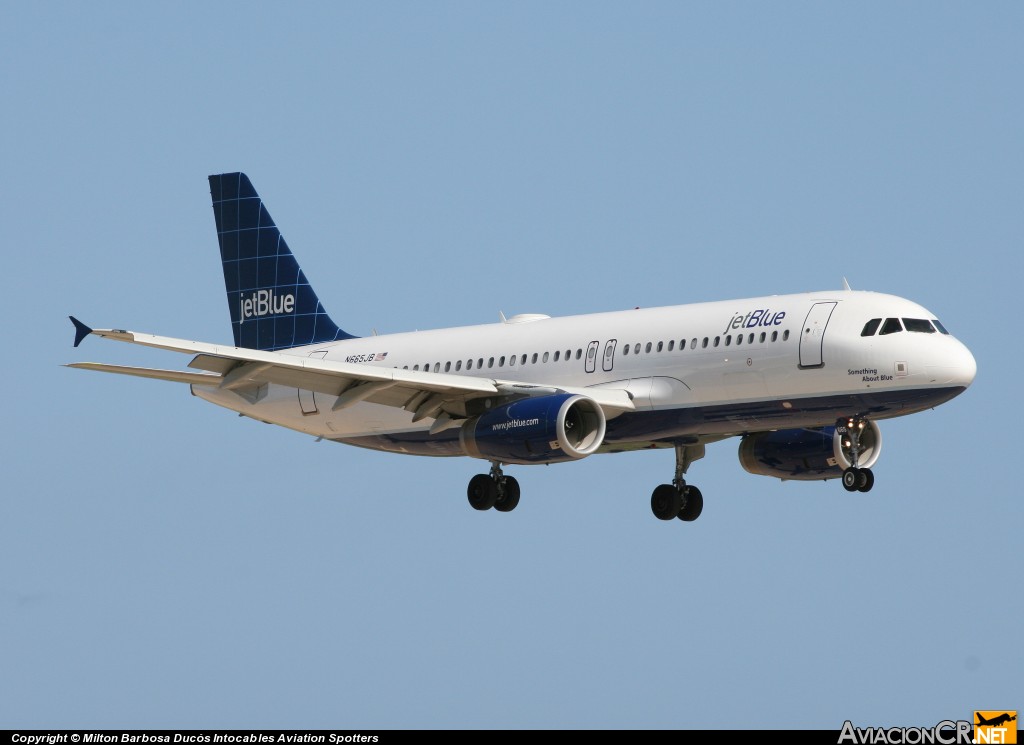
{"x":846,"y":285}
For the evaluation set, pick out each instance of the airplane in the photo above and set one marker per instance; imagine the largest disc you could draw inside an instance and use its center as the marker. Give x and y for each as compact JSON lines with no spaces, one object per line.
{"x":995,"y":721}
{"x":801,"y":380}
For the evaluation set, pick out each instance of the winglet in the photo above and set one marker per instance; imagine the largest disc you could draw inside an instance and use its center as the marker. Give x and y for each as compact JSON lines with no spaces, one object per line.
{"x":81,"y":330}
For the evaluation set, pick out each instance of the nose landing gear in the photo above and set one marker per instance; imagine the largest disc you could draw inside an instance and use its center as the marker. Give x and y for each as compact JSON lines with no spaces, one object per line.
{"x":855,"y":478}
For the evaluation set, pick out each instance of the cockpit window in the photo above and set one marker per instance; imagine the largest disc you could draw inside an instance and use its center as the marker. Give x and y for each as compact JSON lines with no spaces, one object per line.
{"x":871,"y":327}
{"x":920,"y":325}
{"x":891,"y":326}
{"x":939,"y":326}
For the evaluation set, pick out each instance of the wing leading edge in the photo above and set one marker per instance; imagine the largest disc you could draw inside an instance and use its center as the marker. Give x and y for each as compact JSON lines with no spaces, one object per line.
{"x":427,"y":394}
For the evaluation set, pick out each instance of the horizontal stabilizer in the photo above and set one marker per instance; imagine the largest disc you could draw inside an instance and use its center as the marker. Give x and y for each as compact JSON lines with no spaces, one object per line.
{"x":177,"y":376}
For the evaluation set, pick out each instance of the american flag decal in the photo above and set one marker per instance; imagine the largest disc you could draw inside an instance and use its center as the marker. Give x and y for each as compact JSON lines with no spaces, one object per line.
{"x":380,"y":356}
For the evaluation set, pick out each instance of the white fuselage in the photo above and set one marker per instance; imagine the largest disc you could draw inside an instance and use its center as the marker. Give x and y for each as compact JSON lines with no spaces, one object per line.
{"x":720,"y":368}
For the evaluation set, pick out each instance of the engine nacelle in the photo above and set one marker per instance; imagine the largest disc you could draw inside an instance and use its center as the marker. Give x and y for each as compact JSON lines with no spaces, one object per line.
{"x":543,"y":429}
{"x":807,"y":454}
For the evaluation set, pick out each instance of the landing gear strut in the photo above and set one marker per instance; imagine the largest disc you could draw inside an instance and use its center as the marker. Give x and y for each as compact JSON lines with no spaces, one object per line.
{"x":678,"y":499}
{"x":493,"y":489}
{"x":855,"y":478}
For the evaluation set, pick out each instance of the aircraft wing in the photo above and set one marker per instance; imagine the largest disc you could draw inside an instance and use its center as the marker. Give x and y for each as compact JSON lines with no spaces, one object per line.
{"x":426,"y":394}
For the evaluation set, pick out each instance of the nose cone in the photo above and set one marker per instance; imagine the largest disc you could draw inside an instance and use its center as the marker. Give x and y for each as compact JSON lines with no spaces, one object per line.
{"x":953,"y":364}
{"x":966,"y":367}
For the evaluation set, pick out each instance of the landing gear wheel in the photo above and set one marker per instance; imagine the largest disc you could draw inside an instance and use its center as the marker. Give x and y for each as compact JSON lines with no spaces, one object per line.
{"x":482,"y":492}
{"x":666,"y":501}
{"x":692,"y":506}
{"x":851,"y":477}
{"x":865,"y":480}
{"x":508,"y":495}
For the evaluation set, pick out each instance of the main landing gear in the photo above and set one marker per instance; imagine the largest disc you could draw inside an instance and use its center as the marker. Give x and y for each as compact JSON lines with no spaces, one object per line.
{"x":493,"y":489}
{"x":854,"y":477}
{"x":679,"y":499}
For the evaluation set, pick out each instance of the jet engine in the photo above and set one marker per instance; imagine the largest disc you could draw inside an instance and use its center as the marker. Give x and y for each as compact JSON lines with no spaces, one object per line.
{"x":541,"y":429}
{"x":808,"y":454}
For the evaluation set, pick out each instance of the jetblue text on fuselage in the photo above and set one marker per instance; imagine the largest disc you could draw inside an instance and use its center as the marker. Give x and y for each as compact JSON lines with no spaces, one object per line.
{"x":265,"y":303}
{"x":759,"y":317}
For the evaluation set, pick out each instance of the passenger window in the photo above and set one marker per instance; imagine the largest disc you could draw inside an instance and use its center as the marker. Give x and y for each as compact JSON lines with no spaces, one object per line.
{"x":918,"y":325}
{"x":739,"y":339}
{"x":785,"y":335}
{"x":763,"y":337}
{"x":579,"y":353}
{"x":490,"y":362}
{"x":728,"y":339}
{"x":447,"y":366}
{"x":648,"y":348}
{"x":523,"y":360}
{"x":469,"y":364}
{"x":693,"y":344}
{"x":416,"y":367}
{"x":717,"y":340}
{"x":625,"y":349}
{"x":891,"y":326}
{"x":458,"y":365}
{"x":661,"y":346}
{"x":940,"y":327}
{"x":671,"y":344}
{"x":557,"y":352}
{"x":511,"y":360}
{"x":871,"y":327}
{"x":704,"y":343}
{"x":545,"y":358}
{"x":501,"y":362}
{"x":480,"y":363}
{"x":437,"y":367}
{"x":636,"y":349}
{"x":775,"y":336}
{"x":533,"y":360}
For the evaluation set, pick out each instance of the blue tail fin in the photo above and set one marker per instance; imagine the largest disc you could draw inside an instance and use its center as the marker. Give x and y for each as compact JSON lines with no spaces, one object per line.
{"x":272,"y":303}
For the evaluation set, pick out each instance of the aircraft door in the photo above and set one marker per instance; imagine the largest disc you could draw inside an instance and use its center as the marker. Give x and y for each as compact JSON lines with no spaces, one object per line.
{"x":609,"y":355}
{"x":590,"y":364}
{"x":812,"y":335}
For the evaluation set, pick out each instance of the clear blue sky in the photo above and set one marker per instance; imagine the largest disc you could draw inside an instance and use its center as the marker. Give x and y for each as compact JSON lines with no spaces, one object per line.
{"x":164,"y":563}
